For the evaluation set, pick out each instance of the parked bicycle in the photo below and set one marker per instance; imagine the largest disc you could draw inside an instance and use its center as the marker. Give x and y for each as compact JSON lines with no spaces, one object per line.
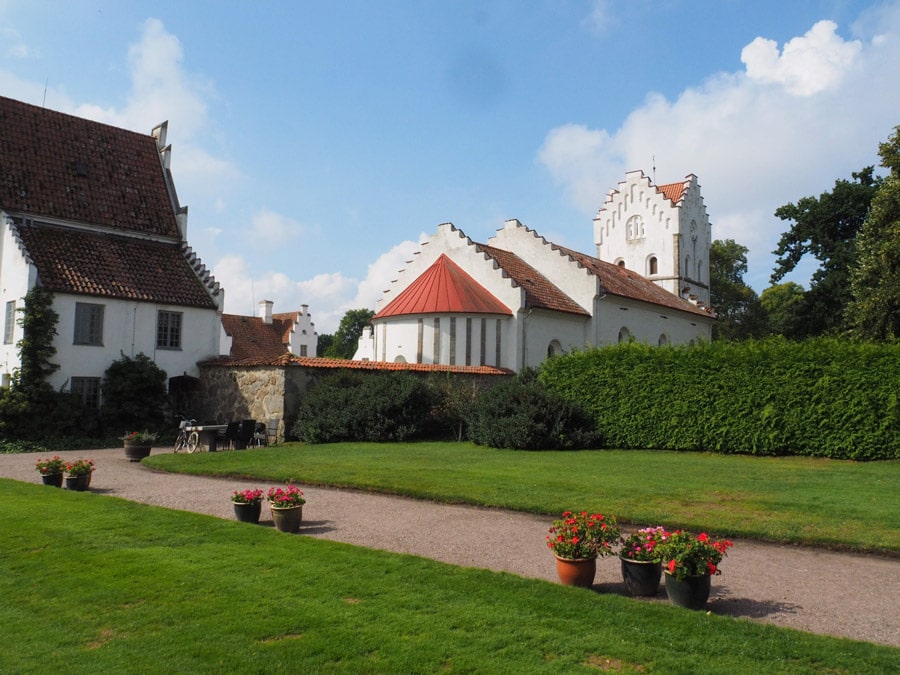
{"x":188,"y":439}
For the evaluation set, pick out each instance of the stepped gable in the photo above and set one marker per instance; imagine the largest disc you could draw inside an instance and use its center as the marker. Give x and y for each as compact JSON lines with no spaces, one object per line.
{"x":255,"y":340}
{"x":63,"y":167}
{"x":539,"y":291}
{"x":441,"y":289}
{"x":626,"y":283}
{"x":82,"y":262}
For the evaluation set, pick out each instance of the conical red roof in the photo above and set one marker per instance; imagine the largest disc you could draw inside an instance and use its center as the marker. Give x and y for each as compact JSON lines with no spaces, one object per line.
{"x":444,"y":288}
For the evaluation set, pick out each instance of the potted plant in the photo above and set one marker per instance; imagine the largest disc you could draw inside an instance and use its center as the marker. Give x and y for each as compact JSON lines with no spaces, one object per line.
{"x":286,"y":505}
{"x":78,"y":474}
{"x":689,"y":563}
{"x":51,"y":470}
{"x":247,"y":505}
{"x":577,"y":540}
{"x":641,"y":566}
{"x":138,"y":444}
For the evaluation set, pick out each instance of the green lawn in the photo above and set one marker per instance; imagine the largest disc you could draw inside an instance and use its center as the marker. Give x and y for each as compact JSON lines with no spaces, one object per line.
{"x":97,"y":584}
{"x":854,"y":505}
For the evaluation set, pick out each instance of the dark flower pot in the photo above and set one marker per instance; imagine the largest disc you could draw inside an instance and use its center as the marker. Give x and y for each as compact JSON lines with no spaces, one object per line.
{"x":247,"y":513}
{"x":576,"y":572}
{"x":287,"y":519}
{"x":54,"y":479}
{"x":78,"y":483}
{"x":690,"y":592}
{"x":136,"y":451}
{"x":641,"y":577}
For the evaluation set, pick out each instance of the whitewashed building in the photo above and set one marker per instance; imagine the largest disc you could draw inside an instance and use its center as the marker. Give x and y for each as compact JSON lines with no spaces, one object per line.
{"x":518,"y":298}
{"x":89,"y":212}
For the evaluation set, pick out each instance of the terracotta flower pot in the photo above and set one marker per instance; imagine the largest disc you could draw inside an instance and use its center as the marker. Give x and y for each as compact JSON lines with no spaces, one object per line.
{"x":576,"y":572}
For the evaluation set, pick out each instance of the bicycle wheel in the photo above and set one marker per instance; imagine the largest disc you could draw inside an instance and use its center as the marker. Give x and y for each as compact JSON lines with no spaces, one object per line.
{"x":179,"y":443}
{"x":192,"y":442}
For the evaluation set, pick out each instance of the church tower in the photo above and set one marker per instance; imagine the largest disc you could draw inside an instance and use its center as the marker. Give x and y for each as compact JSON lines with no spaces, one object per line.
{"x":660,"y":231}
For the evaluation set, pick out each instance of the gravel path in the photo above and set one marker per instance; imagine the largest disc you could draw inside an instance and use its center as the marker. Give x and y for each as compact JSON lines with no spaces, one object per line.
{"x":846,"y":595}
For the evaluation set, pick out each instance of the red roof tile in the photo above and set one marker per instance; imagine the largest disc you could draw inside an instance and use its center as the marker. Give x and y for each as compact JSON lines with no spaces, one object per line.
{"x":64,"y":167}
{"x":672,"y":191}
{"x":539,"y":291}
{"x":334,"y":364}
{"x":252,"y":339}
{"x":444,"y":288}
{"x":625,"y":283}
{"x":77,"y":261}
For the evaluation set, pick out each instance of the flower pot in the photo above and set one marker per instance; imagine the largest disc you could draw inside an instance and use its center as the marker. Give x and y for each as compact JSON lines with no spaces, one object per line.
{"x":247,"y":513}
{"x":135,"y":451}
{"x":641,"y":577}
{"x":78,"y":483}
{"x":690,"y":592}
{"x":576,"y":572}
{"x":54,"y":479}
{"x":287,"y":519}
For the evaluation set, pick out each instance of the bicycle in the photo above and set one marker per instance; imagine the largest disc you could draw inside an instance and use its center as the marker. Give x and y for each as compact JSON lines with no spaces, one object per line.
{"x":187,"y":440}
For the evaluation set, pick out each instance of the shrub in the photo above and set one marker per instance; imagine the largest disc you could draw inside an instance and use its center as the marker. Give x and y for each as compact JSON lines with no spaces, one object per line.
{"x":522,"y":414}
{"x":353,"y":406}
{"x":134,"y":394}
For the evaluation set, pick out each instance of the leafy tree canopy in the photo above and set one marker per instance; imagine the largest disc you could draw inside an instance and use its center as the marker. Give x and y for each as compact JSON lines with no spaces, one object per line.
{"x":782,"y":303}
{"x":739,"y":313}
{"x":826,"y":228}
{"x":874,"y":312}
{"x":346,"y":338}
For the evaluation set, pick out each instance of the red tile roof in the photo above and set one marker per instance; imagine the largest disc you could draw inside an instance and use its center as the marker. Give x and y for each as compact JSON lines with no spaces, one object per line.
{"x":672,"y":191}
{"x":78,"y":261}
{"x":539,"y":291}
{"x":625,"y":283}
{"x":67,"y":168}
{"x":334,"y":364}
{"x":254,"y":340}
{"x":444,"y":288}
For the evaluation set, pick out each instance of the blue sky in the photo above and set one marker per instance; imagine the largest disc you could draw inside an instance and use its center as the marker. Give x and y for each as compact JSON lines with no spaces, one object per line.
{"x":316,"y":144}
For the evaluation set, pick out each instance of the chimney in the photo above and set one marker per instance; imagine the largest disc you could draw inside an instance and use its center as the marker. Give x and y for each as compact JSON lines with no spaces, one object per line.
{"x":265,"y":311}
{"x":304,"y":309}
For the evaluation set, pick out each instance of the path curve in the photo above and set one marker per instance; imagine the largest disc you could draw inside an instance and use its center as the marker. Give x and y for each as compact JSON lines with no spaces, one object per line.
{"x":846,"y":595}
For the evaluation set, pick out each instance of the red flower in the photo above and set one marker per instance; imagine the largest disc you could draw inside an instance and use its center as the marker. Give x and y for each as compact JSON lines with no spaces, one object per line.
{"x":712,"y":568}
{"x":703,"y":537}
{"x":672,"y":566}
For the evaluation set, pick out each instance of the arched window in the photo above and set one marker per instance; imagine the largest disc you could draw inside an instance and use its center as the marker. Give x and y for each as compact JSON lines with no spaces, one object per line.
{"x":634,"y":228}
{"x":663,"y":340}
{"x":652,"y":265}
{"x":699,"y":270}
{"x":624,"y":335}
{"x":687,"y":265}
{"x":554,"y":349}
{"x":400,"y":359}
{"x":620,"y":263}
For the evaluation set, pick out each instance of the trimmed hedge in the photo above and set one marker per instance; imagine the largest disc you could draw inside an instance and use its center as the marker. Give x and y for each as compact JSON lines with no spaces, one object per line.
{"x":823,"y":397}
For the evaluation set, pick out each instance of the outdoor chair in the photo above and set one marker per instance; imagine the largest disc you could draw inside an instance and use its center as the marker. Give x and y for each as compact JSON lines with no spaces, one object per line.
{"x":272,"y":432}
{"x":245,"y":434}
{"x":231,"y":435}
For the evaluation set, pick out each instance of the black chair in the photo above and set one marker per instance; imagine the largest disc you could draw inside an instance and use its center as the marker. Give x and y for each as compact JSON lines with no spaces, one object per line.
{"x":229,"y":439}
{"x":245,"y":434}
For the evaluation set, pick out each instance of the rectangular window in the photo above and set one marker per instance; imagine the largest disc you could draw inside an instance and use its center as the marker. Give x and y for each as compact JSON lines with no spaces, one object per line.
{"x":88,"y":324}
{"x":303,"y":350}
{"x":88,"y":388}
{"x":10,"y":325}
{"x":168,"y":330}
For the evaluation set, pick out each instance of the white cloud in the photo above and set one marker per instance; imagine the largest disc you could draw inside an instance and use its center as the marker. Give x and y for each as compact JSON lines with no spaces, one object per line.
{"x":756,"y":140}
{"x":270,"y":229}
{"x":600,"y":17}
{"x":807,"y":65}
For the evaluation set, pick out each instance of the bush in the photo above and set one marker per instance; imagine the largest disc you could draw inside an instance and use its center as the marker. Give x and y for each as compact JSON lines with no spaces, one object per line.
{"x":354,"y":406}
{"x":823,"y":397}
{"x":134,"y":395}
{"x":522,"y":414}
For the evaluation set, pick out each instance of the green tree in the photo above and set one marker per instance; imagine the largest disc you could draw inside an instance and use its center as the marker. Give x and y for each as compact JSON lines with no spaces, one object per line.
{"x":324,"y":342}
{"x":38,"y":321}
{"x":740,"y":315}
{"x":134,"y":395}
{"x":346,"y":338}
{"x":781,"y":303}
{"x":825,"y":227}
{"x":874,"y":312}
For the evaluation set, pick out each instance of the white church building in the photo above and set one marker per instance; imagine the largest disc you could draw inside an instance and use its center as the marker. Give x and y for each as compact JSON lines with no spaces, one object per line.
{"x":518,"y":298}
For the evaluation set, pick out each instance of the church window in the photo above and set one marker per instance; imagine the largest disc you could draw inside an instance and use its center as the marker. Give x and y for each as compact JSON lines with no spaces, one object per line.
{"x":621,"y":263}
{"x":554,"y":349}
{"x":634,"y":228}
{"x":624,"y":335}
{"x":663,"y":340}
{"x":652,"y":265}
